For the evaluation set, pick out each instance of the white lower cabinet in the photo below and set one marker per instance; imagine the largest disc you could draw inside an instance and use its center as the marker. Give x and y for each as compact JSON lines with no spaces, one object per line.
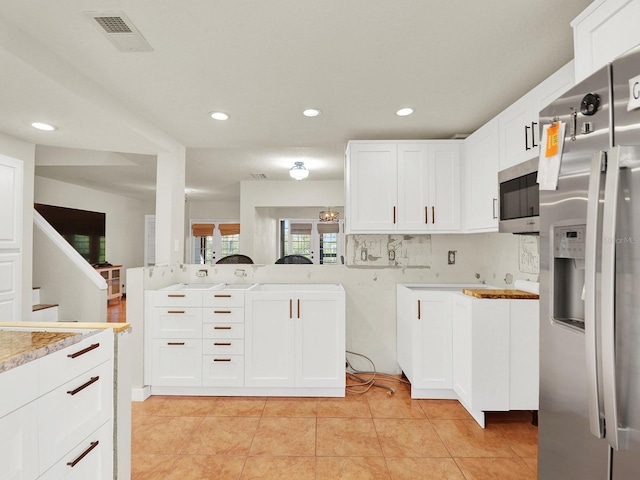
{"x":483,"y":352}
{"x":424,"y":340}
{"x":267,"y":340}
{"x":63,"y":428}
{"x":295,"y":339}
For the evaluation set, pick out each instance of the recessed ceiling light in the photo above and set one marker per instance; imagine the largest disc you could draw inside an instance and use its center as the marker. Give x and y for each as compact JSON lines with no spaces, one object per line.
{"x":219,"y":116}
{"x":311,"y":112}
{"x":403,"y":112}
{"x":43,"y":126}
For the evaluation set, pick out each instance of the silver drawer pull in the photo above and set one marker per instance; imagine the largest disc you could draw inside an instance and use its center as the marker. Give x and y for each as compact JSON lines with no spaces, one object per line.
{"x":83,"y":386}
{"x":83,"y":454}
{"x":83,"y":351}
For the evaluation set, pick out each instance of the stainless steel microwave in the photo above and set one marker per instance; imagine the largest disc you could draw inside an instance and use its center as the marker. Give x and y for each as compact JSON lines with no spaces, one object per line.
{"x":519,"y":198}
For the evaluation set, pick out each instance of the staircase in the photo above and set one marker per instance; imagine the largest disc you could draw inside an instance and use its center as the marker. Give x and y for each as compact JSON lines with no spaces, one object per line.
{"x":42,"y":312}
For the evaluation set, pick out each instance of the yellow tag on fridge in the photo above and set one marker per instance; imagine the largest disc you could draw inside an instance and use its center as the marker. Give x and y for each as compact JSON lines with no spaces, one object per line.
{"x":552,"y":140}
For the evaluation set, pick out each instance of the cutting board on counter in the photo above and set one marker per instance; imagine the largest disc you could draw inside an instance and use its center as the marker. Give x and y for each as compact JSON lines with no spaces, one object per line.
{"x":500,"y":293}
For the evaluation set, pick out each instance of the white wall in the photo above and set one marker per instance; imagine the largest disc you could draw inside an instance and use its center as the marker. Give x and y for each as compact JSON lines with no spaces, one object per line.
{"x":213,"y":210}
{"x":24,"y":151}
{"x":124,"y":217}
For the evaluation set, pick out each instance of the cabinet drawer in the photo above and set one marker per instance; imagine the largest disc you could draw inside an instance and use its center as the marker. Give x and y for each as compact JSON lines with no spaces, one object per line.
{"x":18,"y":443}
{"x":227,"y":298}
{"x":223,"y":315}
{"x":73,"y":411}
{"x":223,"y":346}
{"x":222,"y":330}
{"x":177,"y":322}
{"x":61,"y":366}
{"x":223,"y":370}
{"x":177,"y":362}
{"x":180,"y":298}
{"x":91,"y":458}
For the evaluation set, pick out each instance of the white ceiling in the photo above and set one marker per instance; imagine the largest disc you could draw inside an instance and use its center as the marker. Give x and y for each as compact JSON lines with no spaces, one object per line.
{"x":457,"y":63}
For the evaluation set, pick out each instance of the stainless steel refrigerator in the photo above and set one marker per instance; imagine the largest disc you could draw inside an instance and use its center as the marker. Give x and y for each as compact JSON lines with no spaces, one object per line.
{"x":589,"y":418}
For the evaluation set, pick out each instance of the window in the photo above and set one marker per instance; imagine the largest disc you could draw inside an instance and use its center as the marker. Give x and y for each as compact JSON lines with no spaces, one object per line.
{"x":321,"y":242}
{"x":212,"y":240}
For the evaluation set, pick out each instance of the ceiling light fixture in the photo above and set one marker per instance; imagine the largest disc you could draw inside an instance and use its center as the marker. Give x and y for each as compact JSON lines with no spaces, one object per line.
{"x":219,"y":115}
{"x":404,"y":112}
{"x":298,"y":171}
{"x":311,"y":112}
{"x":329,"y":216}
{"x":43,"y":126}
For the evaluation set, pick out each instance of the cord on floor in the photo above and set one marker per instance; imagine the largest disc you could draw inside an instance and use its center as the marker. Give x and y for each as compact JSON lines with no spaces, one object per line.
{"x":363,"y":385}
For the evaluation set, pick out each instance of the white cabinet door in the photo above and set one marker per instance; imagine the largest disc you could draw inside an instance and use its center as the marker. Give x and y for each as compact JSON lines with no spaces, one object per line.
{"x":414,"y":187}
{"x":432,"y":318}
{"x":371,"y":186}
{"x":444,"y":186}
{"x":518,"y":134}
{"x":319,"y":339}
{"x":11,"y":187}
{"x":176,"y":362}
{"x":605,"y":30}
{"x":19,"y":444}
{"x":481,"y":158}
{"x":269,"y":339}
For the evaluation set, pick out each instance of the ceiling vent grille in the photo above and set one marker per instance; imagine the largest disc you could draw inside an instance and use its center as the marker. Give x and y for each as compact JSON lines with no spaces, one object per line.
{"x":258,"y":176}
{"x":120,"y":31}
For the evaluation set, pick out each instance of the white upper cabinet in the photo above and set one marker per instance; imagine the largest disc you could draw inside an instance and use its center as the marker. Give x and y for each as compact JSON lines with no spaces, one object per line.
{"x":404,"y":187}
{"x":371,"y":182}
{"x":482,"y":155}
{"x":605,"y":30}
{"x":519,"y":129}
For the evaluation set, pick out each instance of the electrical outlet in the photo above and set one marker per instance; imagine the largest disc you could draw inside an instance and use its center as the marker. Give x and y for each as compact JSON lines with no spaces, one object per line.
{"x":363,"y":254}
{"x":451,"y":257}
{"x":201,"y":273}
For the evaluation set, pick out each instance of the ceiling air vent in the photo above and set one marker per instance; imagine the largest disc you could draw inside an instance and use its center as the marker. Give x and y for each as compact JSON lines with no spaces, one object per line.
{"x":120,"y":31}
{"x":258,"y":176}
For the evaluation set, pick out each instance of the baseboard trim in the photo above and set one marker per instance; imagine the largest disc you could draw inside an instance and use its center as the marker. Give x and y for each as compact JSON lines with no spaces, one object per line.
{"x":140,"y":394}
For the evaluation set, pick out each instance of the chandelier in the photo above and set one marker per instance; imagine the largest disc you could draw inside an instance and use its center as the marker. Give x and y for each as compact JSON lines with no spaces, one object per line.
{"x":329,"y":216}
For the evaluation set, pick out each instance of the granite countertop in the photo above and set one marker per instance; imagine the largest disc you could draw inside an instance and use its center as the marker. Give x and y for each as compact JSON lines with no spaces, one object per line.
{"x":20,"y":347}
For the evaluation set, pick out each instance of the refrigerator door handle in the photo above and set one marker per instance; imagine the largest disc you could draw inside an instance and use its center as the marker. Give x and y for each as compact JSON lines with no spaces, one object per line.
{"x":591,"y":317}
{"x":614,"y":433}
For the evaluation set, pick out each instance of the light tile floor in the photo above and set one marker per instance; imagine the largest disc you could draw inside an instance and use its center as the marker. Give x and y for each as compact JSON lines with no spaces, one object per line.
{"x":370,"y":436}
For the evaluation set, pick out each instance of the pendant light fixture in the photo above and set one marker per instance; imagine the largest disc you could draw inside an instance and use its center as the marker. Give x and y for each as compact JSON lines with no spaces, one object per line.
{"x":329,"y":216}
{"x":298,"y":171}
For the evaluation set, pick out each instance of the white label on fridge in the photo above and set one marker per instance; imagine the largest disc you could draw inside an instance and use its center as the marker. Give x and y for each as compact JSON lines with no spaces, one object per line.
{"x":634,"y":93}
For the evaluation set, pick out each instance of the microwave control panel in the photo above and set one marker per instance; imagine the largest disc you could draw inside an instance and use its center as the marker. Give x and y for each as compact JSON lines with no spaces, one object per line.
{"x":568,"y":241}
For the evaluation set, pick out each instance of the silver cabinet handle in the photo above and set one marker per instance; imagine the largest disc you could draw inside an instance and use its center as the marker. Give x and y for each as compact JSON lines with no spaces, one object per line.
{"x":591,"y":315}
{"x":495,"y":215}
